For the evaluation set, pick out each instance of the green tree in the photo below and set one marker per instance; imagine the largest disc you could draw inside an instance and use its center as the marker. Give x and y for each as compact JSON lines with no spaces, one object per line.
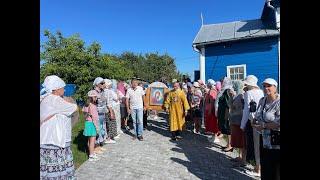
{"x":70,"y":59}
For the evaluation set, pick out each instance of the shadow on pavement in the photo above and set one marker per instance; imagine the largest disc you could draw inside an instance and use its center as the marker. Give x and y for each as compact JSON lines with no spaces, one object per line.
{"x":203,"y":162}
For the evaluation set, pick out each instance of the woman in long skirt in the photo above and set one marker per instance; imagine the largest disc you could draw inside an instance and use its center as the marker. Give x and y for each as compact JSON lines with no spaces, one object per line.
{"x":56,"y":160}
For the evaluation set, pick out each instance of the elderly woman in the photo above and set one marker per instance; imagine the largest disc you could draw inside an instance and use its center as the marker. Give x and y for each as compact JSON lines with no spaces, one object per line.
{"x":211,"y":122}
{"x":268,"y":123}
{"x":111,"y":99}
{"x":99,"y":86}
{"x":116,"y":106}
{"x":236,"y":109}
{"x":222,"y":110}
{"x":56,"y":160}
{"x":121,"y":91}
{"x":218,"y":86}
{"x":251,"y":97}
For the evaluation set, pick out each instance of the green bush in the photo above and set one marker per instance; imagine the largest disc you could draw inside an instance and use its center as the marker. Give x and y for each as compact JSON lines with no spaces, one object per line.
{"x":79,"y":142}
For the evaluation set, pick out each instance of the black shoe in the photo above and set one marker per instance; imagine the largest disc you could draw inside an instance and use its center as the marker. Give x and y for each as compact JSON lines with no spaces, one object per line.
{"x":224,"y":147}
{"x":173,"y":138}
{"x":140,"y":138}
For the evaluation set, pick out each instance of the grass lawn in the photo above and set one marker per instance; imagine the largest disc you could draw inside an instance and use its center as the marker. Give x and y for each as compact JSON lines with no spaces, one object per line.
{"x":79,"y":142}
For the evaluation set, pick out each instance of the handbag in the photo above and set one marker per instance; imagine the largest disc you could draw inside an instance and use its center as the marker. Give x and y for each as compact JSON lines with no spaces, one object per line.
{"x":275,"y":137}
{"x":253,"y":106}
{"x":274,"y":134}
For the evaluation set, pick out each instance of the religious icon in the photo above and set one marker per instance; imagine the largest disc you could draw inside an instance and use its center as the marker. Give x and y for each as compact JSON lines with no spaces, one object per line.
{"x":157,"y":96}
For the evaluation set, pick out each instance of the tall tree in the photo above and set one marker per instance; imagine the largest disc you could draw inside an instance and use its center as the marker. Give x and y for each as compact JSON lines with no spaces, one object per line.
{"x":70,"y":59}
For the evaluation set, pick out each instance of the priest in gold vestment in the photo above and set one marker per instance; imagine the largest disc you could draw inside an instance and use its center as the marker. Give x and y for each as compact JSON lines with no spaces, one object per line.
{"x":176,"y":104}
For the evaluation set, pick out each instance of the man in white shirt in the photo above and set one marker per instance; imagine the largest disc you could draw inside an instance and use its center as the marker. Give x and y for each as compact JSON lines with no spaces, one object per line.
{"x":135,"y":96}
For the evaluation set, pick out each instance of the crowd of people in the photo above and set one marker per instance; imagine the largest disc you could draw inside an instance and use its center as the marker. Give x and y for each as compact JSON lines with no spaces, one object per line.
{"x":245,"y":115}
{"x":107,"y":108}
{"x":248,"y":118}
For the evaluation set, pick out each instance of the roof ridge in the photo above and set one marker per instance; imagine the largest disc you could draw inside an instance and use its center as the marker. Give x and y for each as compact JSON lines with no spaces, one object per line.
{"x":232,"y":22}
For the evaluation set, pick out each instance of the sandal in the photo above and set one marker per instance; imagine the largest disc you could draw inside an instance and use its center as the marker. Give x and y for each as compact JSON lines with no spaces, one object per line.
{"x":229,"y":150}
{"x":237,"y":159}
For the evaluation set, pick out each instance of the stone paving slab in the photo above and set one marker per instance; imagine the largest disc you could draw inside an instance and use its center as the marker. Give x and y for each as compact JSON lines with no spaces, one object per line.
{"x":193,"y":157}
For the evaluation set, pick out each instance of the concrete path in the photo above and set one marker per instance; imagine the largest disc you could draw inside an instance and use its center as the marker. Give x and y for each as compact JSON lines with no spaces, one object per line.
{"x":193,"y":157}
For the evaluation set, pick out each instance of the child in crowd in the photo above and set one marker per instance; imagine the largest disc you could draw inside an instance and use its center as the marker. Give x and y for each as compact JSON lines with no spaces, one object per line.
{"x":91,"y":124}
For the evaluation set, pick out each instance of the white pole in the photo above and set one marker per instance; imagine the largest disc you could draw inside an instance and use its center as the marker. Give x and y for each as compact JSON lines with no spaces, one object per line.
{"x":277,"y":13}
{"x":202,"y":65}
{"x":279,"y":62}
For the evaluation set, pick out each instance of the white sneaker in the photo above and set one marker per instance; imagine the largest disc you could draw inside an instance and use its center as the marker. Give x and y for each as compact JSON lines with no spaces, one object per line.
{"x":93,"y":157}
{"x":252,"y":173}
{"x":117,"y":137}
{"x":110,"y":141}
{"x":216,"y":140}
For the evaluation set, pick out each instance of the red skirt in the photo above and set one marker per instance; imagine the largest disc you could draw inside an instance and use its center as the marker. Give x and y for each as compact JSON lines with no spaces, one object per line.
{"x":211,"y":123}
{"x":237,"y":137}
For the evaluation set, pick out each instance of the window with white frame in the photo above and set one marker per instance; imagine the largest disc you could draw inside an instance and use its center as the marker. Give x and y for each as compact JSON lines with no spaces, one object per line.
{"x":237,"y":72}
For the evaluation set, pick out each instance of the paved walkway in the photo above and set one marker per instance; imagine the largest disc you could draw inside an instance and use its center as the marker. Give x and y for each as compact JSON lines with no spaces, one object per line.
{"x":157,"y":157}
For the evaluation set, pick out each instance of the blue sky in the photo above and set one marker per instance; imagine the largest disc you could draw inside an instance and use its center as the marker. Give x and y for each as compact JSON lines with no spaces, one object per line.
{"x":140,"y":26}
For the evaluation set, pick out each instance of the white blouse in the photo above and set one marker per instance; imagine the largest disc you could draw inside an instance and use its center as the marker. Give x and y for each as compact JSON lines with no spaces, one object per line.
{"x":251,"y":95}
{"x":57,"y":129}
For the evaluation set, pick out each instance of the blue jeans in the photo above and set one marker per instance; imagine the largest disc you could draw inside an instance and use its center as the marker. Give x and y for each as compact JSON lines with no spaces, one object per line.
{"x":137,"y":118}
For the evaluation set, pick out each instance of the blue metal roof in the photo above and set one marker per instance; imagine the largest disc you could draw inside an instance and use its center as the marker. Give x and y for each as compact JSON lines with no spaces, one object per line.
{"x":232,"y":31}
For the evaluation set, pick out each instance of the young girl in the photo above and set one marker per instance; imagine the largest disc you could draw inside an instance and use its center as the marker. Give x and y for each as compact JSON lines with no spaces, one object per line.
{"x":91,"y":124}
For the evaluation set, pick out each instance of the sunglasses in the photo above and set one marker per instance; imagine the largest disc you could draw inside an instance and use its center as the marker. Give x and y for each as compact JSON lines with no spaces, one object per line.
{"x":267,"y":85}
{"x":102,"y":83}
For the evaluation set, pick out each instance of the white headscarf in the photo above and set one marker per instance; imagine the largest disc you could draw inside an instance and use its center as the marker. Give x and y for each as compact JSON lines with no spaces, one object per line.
{"x":108,"y":83}
{"x":51,"y":83}
{"x":211,"y":83}
{"x":55,"y":114}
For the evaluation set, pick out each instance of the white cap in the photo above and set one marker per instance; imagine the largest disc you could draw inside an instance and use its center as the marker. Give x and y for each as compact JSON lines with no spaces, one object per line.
{"x":174,"y":80}
{"x":270,"y":81}
{"x":251,"y":80}
{"x":92,"y":93}
{"x":211,"y":82}
{"x":108,"y":82}
{"x":196,"y":84}
{"x":97,"y":81}
{"x":53,"y":82}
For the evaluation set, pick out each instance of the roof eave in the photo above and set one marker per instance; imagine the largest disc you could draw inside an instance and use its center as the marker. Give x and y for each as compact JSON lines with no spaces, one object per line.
{"x":232,"y":40}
